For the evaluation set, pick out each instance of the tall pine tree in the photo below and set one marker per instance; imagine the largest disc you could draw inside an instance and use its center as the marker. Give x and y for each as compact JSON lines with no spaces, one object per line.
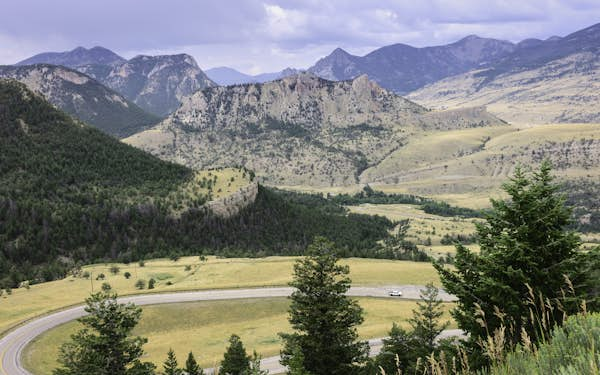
{"x":323,"y":317}
{"x":524,"y":244}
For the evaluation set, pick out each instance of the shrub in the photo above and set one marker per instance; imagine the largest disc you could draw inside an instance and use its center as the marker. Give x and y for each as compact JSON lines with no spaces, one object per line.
{"x":127,"y":275}
{"x":140,"y":284}
{"x":114,"y":270}
{"x":151,"y":283}
{"x":573,"y":348}
{"x":106,"y":287}
{"x":100,"y":276}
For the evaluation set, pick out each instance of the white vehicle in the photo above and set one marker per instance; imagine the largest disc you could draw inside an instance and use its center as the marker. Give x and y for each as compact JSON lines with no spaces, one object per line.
{"x":395,"y":293}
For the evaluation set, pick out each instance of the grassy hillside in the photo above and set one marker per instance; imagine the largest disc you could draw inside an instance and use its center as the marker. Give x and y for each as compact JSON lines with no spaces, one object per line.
{"x":70,"y":194}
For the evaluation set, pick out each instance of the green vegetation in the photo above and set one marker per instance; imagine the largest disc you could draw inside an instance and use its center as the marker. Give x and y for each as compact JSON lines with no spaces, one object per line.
{"x":572,"y":349}
{"x":105,"y":346}
{"x":235,"y":360}
{"x":406,"y":350}
{"x":430,"y":206}
{"x":323,"y":318}
{"x":516,"y":286}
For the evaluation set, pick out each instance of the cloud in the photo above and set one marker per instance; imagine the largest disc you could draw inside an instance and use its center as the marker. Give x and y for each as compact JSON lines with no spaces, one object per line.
{"x":255,"y":35}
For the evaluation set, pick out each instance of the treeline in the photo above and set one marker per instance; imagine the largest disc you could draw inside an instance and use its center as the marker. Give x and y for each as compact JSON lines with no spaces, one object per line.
{"x":430,"y":206}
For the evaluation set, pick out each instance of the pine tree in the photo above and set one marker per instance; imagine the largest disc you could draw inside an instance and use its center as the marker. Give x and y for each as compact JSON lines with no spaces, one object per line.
{"x":170,"y":365}
{"x":323,"y":317}
{"x":104,"y":345}
{"x":235,"y":360}
{"x":426,"y":320}
{"x":524,"y":244}
{"x":192,"y":367}
{"x":398,"y":351}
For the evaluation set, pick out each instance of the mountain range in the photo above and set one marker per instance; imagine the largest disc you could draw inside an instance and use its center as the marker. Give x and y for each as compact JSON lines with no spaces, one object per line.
{"x":403,"y":68}
{"x":155,"y":83}
{"x":297,"y":130}
{"x":556,"y":80}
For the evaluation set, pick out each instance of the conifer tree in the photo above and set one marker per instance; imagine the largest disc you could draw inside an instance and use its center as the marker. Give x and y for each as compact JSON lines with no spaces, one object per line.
{"x":192,"y":367}
{"x":235,"y":360}
{"x":398,"y":351}
{"x":425,"y":321}
{"x":104,"y":345}
{"x":524,"y":246}
{"x":170,"y":365}
{"x":323,"y":317}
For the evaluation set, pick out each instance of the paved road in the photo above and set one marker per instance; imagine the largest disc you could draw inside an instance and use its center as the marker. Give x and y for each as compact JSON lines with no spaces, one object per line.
{"x":12,"y":344}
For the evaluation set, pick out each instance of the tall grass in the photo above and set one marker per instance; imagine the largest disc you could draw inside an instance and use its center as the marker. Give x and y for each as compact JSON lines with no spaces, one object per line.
{"x":553,"y":343}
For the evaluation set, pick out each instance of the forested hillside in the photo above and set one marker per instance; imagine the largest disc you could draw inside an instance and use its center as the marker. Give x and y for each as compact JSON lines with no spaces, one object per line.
{"x":71,"y":194}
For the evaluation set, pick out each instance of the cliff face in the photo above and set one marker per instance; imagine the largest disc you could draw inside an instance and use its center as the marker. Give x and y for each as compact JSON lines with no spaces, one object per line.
{"x":298,"y":130}
{"x":155,"y":83}
{"x":232,"y":204}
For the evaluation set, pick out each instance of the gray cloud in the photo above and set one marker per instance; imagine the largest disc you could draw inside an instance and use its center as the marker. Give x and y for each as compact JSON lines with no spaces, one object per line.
{"x":268,"y":35}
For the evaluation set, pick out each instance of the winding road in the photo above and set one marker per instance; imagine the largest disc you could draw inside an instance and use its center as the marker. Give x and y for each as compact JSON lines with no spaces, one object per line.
{"x":13,"y":343}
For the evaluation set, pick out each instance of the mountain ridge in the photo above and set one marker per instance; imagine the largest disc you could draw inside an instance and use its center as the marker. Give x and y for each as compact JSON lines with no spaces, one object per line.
{"x":82,"y":97}
{"x":294,"y":130}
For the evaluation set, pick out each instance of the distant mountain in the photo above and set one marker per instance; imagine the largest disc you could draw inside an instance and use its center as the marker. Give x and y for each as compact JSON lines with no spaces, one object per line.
{"x":555,"y":80}
{"x":300,"y":129}
{"x":225,"y":76}
{"x":155,"y":83}
{"x":77,"y":57}
{"x":82,"y":97}
{"x":403,"y":68}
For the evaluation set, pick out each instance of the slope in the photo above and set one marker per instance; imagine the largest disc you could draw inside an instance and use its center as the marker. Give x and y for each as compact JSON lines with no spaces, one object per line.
{"x":549,"y":81}
{"x":82,"y":97}
{"x":298,"y":130}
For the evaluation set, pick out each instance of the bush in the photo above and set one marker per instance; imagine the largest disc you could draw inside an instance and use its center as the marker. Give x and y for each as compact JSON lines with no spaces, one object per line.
{"x":141,"y":263}
{"x":85,"y":275}
{"x":140,"y":284}
{"x":573,"y":348}
{"x":127,"y":275}
{"x":100,"y":276}
{"x":151,"y":283}
{"x":114,"y":270}
{"x":188,"y":267}
{"x":106,"y":287}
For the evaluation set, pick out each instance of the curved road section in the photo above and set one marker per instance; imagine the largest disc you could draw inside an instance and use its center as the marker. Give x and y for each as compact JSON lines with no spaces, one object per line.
{"x":12,"y":345}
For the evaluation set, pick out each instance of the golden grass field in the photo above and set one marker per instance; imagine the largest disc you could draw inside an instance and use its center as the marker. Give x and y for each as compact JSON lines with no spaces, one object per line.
{"x":206,"y":326}
{"x":215,"y":273}
{"x":424,"y":227}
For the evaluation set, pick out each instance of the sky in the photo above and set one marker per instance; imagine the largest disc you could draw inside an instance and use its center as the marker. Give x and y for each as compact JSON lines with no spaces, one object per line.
{"x":256,"y":36}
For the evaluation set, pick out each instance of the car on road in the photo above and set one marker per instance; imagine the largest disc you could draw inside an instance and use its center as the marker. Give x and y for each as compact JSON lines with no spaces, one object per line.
{"x":395,"y":293}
